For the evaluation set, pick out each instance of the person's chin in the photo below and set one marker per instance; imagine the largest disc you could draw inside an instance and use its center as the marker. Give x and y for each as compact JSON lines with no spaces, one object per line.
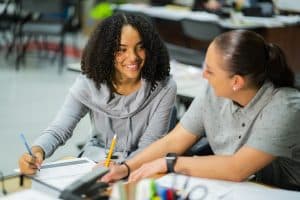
{"x":134,"y":72}
{"x":133,"y":75}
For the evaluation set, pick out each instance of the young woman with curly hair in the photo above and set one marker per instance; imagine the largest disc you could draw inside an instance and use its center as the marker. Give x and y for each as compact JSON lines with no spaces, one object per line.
{"x":125,"y":87}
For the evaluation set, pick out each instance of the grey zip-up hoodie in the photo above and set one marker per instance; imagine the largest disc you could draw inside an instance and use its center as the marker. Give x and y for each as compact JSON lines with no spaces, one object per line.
{"x":138,"y":119}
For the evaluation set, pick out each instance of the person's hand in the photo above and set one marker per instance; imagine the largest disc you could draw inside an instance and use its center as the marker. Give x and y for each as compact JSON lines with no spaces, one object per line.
{"x":212,"y":5}
{"x":149,"y":169}
{"x":30,"y":164}
{"x":102,"y":164}
{"x":116,"y":172}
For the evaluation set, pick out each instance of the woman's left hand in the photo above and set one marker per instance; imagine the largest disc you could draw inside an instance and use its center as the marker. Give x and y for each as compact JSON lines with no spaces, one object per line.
{"x":149,"y":169}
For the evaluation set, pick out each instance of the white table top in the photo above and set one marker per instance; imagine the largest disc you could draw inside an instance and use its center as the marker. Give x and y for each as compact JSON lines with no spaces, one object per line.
{"x":239,"y":21}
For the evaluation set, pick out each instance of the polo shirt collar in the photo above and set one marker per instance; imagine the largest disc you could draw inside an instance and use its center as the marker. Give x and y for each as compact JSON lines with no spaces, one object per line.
{"x":261,"y":98}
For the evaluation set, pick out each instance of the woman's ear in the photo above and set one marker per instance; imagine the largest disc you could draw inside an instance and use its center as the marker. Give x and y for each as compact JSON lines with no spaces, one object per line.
{"x":238,"y":82}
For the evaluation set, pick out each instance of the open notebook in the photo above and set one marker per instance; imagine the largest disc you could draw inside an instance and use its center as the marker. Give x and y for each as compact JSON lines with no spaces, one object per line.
{"x":56,"y":176}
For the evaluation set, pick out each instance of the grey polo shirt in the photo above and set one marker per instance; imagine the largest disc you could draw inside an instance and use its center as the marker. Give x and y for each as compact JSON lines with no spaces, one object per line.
{"x":270,"y":122}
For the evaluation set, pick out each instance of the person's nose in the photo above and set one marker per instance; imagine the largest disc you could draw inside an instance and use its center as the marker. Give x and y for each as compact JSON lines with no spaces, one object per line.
{"x":132,"y":55}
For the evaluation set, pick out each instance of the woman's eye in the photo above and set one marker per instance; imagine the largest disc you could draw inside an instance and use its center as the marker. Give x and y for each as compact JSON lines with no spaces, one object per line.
{"x":140,"y":47}
{"x":208,"y":72}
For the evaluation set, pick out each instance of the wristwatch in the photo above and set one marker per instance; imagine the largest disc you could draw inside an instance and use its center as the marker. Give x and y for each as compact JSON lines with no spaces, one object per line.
{"x":171,"y":160}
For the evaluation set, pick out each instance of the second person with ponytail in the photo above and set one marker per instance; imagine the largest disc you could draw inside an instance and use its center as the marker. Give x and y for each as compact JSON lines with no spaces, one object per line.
{"x":250,"y":112}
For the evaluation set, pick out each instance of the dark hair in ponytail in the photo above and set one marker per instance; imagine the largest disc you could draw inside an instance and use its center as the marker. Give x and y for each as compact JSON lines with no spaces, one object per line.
{"x":277,"y":69}
{"x":246,"y":53}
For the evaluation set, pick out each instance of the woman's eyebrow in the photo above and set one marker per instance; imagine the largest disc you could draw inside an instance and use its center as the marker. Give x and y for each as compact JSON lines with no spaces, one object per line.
{"x":138,"y":43}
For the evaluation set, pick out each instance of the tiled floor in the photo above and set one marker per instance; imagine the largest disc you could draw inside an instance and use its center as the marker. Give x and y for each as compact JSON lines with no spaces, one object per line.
{"x":29,"y":100}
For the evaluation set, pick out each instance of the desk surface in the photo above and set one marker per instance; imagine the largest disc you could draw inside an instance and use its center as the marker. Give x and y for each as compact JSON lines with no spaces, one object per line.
{"x":216,"y":189}
{"x":238,"y":21}
{"x":12,"y":183}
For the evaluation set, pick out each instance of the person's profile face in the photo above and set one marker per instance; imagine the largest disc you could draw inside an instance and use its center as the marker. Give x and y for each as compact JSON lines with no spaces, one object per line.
{"x":130,"y":55}
{"x":215,"y":73}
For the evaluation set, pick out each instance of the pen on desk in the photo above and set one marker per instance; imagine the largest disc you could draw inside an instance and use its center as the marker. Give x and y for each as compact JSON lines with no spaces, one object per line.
{"x":111,"y":149}
{"x":27,"y":146}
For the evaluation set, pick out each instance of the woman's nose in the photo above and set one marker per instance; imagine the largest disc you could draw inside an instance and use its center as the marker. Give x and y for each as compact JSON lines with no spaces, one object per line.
{"x":132,"y":55}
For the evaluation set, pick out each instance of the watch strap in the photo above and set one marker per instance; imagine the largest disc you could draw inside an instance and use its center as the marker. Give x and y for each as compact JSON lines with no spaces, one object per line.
{"x":171,"y":160}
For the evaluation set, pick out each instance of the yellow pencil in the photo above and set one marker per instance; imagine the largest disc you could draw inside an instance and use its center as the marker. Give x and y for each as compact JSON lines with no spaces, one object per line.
{"x":111,"y":149}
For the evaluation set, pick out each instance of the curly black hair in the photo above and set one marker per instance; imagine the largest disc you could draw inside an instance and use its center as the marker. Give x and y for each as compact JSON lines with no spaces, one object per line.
{"x":98,"y":57}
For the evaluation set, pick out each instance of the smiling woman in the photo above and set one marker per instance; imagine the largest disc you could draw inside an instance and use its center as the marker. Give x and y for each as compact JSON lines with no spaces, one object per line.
{"x":125,"y":87}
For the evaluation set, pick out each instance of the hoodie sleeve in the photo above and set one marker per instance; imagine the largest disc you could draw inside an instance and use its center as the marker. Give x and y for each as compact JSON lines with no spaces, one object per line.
{"x":61,"y":129}
{"x":159,"y":123}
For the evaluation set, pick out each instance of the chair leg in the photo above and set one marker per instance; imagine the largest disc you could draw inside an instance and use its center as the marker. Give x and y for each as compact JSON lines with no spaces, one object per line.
{"x":18,"y":43}
{"x":45,"y":46}
{"x":25,"y":47}
{"x":12,"y":45}
{"x":38,"y":45}
{"x":4,"y":40}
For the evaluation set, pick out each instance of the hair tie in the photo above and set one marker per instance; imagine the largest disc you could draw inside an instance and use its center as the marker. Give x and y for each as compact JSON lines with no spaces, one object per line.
{"x":128,"y":169}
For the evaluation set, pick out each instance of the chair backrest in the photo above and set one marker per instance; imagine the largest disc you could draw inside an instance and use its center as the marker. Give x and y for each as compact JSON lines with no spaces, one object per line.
{"x":47,"y":10}
{"x":186,"y":55}
{"x":200,"y":30}
{"x":173,"y":119}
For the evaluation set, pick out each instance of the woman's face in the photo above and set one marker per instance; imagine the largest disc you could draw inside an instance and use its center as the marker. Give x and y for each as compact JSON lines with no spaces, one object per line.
{"x":220,"y":79}
{"x":130,"y":57}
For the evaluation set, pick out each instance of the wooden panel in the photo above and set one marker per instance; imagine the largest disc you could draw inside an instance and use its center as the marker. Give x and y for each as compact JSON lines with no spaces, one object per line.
{"x":288,"y":38}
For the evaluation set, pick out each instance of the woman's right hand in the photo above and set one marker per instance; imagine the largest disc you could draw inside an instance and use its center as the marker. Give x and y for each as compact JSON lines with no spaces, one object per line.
{"x":30,"y":164}
{"x":116,"y":172}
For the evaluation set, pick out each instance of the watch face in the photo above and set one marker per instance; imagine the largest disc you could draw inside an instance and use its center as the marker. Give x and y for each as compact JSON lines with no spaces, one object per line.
{"x":171,"y":156}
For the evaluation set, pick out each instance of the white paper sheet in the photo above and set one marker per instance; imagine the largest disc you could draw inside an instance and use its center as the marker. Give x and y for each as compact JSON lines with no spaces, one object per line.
{"x":60,"y":174}
{"x":217,"y":189}
{"x":249,"y":191}
{"x":212,"y":189}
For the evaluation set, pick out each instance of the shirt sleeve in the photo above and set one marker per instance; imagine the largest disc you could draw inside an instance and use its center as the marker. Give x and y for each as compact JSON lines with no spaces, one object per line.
{"x":277,"y":130}
{"x":192,"y":120}
{"x":61,"y":129}
{"x":159,"y":123}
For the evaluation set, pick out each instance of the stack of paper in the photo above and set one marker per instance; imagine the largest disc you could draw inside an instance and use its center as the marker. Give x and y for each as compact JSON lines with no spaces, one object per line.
{"x":58,"y":175}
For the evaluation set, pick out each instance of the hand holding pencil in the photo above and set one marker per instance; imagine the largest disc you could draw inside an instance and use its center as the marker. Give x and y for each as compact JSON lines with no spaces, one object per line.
{"x":111,"y":150}
{"x":31,"y":161}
